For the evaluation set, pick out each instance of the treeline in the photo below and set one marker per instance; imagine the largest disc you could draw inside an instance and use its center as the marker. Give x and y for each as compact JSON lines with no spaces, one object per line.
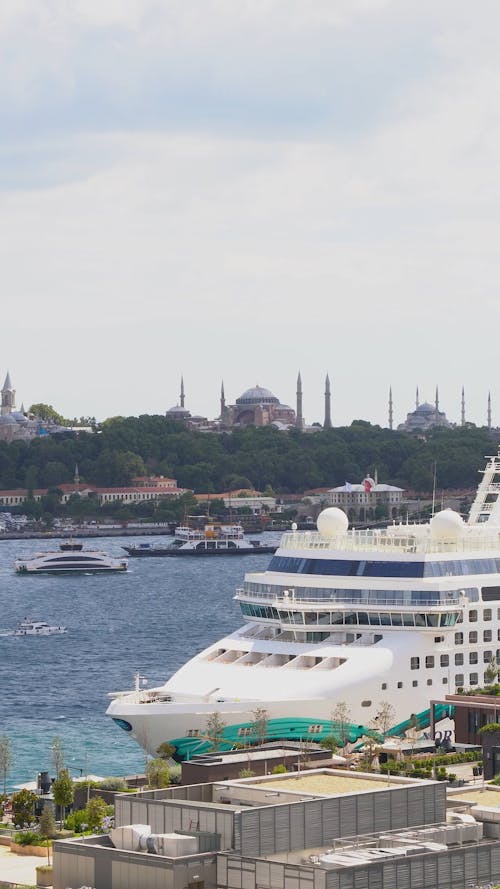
{"x":293,"y":462}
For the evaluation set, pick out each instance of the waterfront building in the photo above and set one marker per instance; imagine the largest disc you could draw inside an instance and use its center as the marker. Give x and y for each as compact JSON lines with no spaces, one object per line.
{"x":324,"y":829}
{"x":360,"y":501}
{"x":137,"y":493}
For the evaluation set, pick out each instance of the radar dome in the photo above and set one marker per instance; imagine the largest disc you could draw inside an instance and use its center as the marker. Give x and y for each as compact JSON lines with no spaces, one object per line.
{"x":332,"y":522}
{"x":447,"y":525}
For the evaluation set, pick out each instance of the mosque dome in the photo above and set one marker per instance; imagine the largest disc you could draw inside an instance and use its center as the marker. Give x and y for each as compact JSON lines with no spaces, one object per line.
{"x":178,"y":412}
{"x":7,"y":420}
{"x":257,"y":395}
{"x":425,"y":408}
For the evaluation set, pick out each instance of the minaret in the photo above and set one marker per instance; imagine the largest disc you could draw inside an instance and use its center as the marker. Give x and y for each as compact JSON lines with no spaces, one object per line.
{"x":222,"y":401}
{"x":76,"y":477}
{"x":416,"y":399}
{"x":8,"y":396}
{"x":182,"y":391}
{"x":390,"y":409}
{"x":463,"y":407}
{"x":299,"y":421}
{"x":489,"y":410}
{"x":328,"y":404}
{"x":437,"y":404}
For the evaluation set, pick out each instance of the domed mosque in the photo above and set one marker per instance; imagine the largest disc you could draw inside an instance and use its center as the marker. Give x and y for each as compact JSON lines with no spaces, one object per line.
{"x":258,"y":407}
{"x":424,"y":417}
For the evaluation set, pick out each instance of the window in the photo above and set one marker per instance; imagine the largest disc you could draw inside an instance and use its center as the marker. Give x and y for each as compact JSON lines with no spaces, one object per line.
{"x":487,"y":635}
{"x":444,"y":660}
{"x":415,"y":683}
{"x":384,"y":686}
{"x":487,"y":614}
{"x":472,"y":616}
{"x":400,"y":685}
{"x":459,"y":680}
{"x":473,"y":679}
{"x":473,"y":636}
{"x":473,"y":657}
{"x":487,"y":656}
{"x":429,"y":661}
{"x":366,"y":703}
{"x":415,"y":663}
{"x":445,"y":680}
{"x":459,"y":637}
{"x":459,"y":659}
{"x":429,"y":682}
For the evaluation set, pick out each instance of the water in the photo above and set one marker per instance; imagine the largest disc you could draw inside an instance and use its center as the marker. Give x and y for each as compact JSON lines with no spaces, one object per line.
{"x":151,"y":619}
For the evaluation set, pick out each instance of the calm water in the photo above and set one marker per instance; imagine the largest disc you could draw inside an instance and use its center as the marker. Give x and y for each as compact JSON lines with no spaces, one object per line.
{"x":151,"y":619}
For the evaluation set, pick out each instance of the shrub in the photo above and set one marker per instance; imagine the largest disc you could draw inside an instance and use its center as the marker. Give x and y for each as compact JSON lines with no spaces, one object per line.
{"x":490,"y":728}
{"x":27,"y":838}
{"x":113,"y":783}
{"x":279,"y":769}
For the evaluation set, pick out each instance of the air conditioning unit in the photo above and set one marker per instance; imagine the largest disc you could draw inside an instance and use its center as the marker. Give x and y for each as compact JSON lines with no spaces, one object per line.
{"x":172,"y":845}
{"x":129,"y":836}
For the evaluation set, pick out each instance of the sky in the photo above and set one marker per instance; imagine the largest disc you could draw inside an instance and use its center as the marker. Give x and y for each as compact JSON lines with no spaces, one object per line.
{"x":242,"y":189}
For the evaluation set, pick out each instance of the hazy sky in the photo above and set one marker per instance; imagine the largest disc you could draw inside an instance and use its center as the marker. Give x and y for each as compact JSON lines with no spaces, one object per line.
{"x":246,"y":188}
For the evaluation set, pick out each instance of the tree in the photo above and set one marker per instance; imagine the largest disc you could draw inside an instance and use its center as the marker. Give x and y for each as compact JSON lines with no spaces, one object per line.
{"x":48,"y":827}
{"x":47,"y":412}
{"x":23,"y":807}
{"x":341,"y":723}
{"x":490,"y":674}
{"x":158,"y":773}
{"x":384,"y":717}
{"x":95,"y":810}
{"x":57,"y":754}
{"x":259,"y":724}
{"x":165,"y":750}
{"x":6,"y":760}
{"x":63,"y":791}
{"x":214,"y":730}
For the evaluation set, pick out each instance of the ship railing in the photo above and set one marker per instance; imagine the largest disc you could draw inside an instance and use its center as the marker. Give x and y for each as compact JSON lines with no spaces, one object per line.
{"x":296,"y":599}
{"x":392,"y":540}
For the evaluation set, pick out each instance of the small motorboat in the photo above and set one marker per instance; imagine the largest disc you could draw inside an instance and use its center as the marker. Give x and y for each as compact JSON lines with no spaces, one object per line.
{"x":30,"y":627}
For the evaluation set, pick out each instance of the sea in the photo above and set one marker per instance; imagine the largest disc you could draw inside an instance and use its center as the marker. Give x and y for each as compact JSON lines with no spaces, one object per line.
{"x":150,"y":620}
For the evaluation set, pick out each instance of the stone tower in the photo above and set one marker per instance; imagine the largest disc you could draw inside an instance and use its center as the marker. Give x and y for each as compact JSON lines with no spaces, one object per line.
{"x":8,"y":396}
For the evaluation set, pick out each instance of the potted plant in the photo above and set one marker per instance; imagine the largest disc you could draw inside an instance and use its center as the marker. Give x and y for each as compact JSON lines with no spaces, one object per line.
{"x":44,"y":875}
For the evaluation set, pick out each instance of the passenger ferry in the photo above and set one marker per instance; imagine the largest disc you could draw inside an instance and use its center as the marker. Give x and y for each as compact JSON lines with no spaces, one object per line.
{"x":214,"y":539}
{"x":400,"y":616}
{"x":69,"y":558}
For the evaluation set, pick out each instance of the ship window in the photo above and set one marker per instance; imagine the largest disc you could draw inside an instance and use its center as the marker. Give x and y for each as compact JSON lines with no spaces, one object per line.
{"x":459,"y":659}
{"x":473,"y":679}
{"x":473,"y":657}
{"x":487,"y":636}
{"x":366,"y":703}
{"x":429,"y":661}
{"x":487,"y":656}
{"x":487,"y":614}
{"x":384,"y":686}
{"x":415,"y":663}
{"x":429,"y":682}
{"x":473,"y":636}
{"x":445,"y":660}
{"x":472,"y":616}
{"x":459,"y":680}
{"x":397,"y":620}
{"x":400,"y":685}
{"x":459,"y":638}
{"x":498,"y":613}
{"x":491,"y":593}
{"x":415,"y":683}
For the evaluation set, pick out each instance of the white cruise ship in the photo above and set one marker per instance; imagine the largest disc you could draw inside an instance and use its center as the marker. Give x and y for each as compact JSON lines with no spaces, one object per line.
{"x":70,"y":558}
{"x":402,"y":615}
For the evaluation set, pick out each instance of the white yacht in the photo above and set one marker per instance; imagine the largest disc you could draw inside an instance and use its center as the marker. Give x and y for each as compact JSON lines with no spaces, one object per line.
{"x":401,"y":616}
{"x":69,"y":558}
{"x":30,"y":627}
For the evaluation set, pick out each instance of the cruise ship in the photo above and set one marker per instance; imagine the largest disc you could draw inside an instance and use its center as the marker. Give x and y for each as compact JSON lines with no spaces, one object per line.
{"x":401,"y":615}
{"x":70,"y":558}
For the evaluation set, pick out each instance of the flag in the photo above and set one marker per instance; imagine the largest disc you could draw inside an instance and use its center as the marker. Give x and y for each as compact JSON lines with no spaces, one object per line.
{"x":348,"y":486}
{"x":368,"y":484}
